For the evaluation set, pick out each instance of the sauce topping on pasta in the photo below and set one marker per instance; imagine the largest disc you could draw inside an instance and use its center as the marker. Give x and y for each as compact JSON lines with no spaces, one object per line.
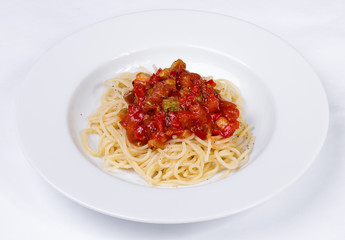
{"x":174,"y":101}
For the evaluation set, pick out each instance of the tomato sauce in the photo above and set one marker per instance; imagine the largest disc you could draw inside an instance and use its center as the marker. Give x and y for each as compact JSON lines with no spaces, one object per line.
{"x":174,"y":101}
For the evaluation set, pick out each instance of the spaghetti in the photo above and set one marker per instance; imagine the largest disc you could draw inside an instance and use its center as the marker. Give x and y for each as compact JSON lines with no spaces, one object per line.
{"x":183,"y":160}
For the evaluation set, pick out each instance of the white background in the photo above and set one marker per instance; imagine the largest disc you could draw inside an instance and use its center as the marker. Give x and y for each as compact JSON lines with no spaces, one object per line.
{"x":312,"y":208}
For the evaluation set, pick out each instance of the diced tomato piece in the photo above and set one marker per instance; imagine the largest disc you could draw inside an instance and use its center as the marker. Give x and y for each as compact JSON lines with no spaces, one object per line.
{"x":186,"y":133}
{"x":173,"y":74}
{"x":207,"y":90}
{"x":147,"y":106}
{"x":215,"y":116}
{"x":197,"y":79}
{"x":173,"y":120}
{"x":195,"y":89}
{"x":158,"y":140}
{"x":187,"y":101}
{"x":173,"y":131}
{"x":174,"y":93}
{"x":158,"y":71}
{"x":211,"y":82}
{"x":200,"y":133}
{"x":199,"y":114}
{"x":229,"y":130}
{"x":154,"y":79}
{"x":140,"y":132}
{"x":125,"y":119}
{"x":147,"y":119}
{"x":227,"y":104}
{"x":231,"y":113}
{"x":142,"y":78}
{"x":185,"y":80}
{"x":137,"y":117}
{"x":159,"y":120}
{"x":133,"y":109}
{"x":155,"y":143}
{"x":211,"y":103}
{"x":215,"y":131}
{"x":139,"y":90}
{"x":164,"y":74}
{"x":150,"y":128}
{"x":178,"y":66}
{"x":185,"y":118}
{"x":159,"y":91}
{"x":129,"y":97}
{"x":184,"y":92}
{"x":123,"y":112}
{"x":131,"y":131}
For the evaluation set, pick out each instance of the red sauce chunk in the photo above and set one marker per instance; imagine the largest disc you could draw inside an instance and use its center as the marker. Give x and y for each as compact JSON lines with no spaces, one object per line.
{"x":174,"y":101}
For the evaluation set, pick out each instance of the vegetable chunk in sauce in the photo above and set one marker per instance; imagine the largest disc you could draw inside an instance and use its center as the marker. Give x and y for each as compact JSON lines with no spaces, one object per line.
{"x":174,"y":101}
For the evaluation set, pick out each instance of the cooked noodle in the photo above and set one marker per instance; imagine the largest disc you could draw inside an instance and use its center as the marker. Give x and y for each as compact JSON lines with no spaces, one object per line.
{"x":182,"y":161}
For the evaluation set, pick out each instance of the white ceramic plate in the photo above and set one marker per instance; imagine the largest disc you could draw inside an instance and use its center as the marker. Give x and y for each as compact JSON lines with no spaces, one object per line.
{"x":284,"y":101}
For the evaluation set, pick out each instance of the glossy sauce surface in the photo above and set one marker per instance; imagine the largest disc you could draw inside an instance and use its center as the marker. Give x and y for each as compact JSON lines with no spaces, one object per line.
{"x":174,"y":101}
